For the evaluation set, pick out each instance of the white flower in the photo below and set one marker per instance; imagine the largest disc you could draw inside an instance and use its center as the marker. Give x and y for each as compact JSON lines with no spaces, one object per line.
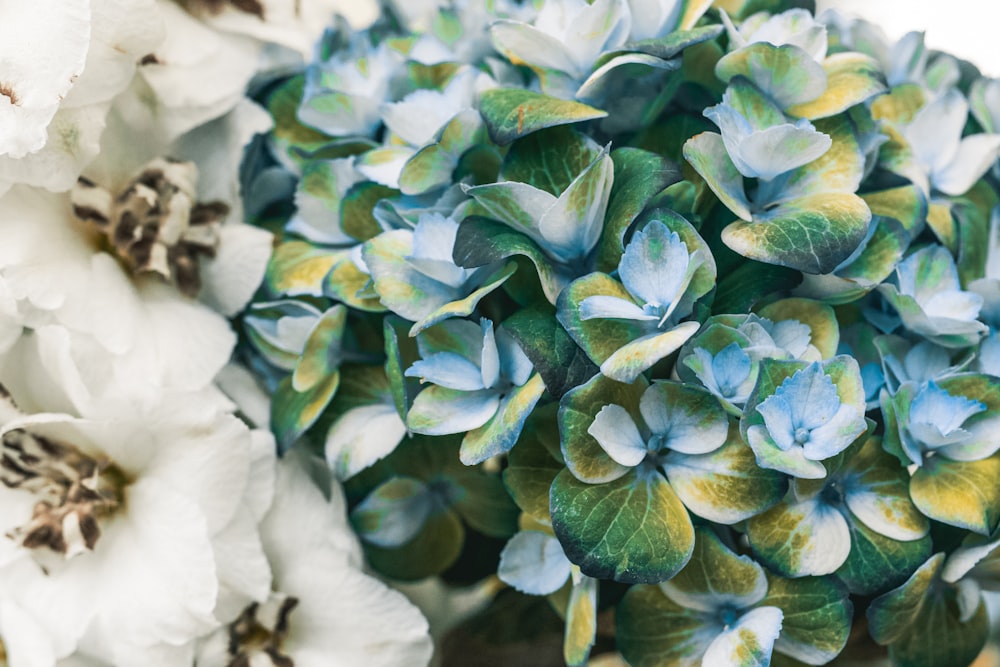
{"x":133,"y":530}
{"x":70,"y":312}
{"x":61,"y":64}
{"x":322,"y":610}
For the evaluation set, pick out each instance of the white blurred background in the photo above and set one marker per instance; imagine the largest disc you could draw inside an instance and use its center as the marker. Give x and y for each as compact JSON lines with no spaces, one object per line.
{"x":968,"y":29}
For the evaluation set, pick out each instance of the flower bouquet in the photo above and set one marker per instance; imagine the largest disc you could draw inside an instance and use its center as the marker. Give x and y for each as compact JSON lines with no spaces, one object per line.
{"x":623,"y":332}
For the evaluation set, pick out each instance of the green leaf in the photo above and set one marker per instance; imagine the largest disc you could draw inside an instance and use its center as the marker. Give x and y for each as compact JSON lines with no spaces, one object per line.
{"x":511,"y":113}
{"x":293,"y":412}
{"x":499,"y":434}
{"x":851,"y":78}
{"x":356,"y":216}
{"x":639,"y":176}
{"x":959,"y":493}
{"x":556,"y":357}
{"x":839,"y":169}
{"x":483,"y":502}
{"x":813,"y":234}
{"x":630,"y":530}
{"x":584,"y":456}
{"x":480,"y":242}
{"x":651,"y":629}
{"x":725,"y":486}
{"x":550,"y":159}
{"x":467,"y":305}
{"x":817,"y":617}
{"x":877,"y":563}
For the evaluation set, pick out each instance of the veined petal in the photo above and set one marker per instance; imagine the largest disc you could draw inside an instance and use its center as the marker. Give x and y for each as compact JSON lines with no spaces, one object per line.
{"x":771,"y":152}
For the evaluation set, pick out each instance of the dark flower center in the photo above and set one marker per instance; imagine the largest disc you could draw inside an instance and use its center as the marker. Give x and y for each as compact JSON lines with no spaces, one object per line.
{"x":260,"y":631}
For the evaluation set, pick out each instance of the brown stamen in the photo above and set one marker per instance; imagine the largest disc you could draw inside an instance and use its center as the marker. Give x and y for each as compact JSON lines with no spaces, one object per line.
{"x":7,"y":90}
{"x":261,"y":630}
{"x":154,"y":224}
{"x":196,"y":7}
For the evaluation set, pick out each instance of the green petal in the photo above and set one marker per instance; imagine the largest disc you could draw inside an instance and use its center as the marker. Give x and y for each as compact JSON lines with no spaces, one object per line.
{"x":813,"y":234}
{"x":298,"y":268}
{"x":806,"y":538}
{"x":630,"y":530}
{"x":839,"y":169}
{"x":293,"y":412}
{"x":467,"y":305}
{"x":584,"y":456}
{"x":550,"y":159}
{"x":581,"y":621}
{"x":531,"y":466}
{"x":905,"y":204}
{"x":651,"y":629}
{"x":347,"y":283}
{"x":851,"y":78}
{"x":717,"y":577}
{"x":480,"y":242}
{"x":787,"y":74}
{"x":499,"y":434}
{"x":562,"y":364}
{"x":400,"y":352}
{"x":959,"y":493}
{"x":891,"y":615}
{"x":628,"y":362}
{"x":707,"y":154}
{"x":431,"y":552}
{"x":819,"y":317}
{"x":600,"y":338}
{"x":685,"y":35}
{"x":511,"y":113}
{"x":321,"y":355}
{"x":602,"y":82}
{"x":288,"y":133}
{"x":877,"y":563}
{"x":356,"y":217}
{"x":725,"y":486}
{"x":938,"y":636}
{"x":639,"y":176}
{"x":879,"y":494}
{"x":431,"y":167}
{"x":817,"y":617}
{"x":393,"y":513}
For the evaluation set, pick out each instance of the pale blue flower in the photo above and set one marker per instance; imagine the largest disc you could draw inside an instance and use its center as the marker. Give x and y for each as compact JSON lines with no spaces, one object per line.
{"x":765,"y":145}
{"x":805,"y":417}
{"x":935,"y":424}
{"x":728,"y":374}
{"x":931,"y":302}
{"x":796,"y":27}
{"x":656,"y":270}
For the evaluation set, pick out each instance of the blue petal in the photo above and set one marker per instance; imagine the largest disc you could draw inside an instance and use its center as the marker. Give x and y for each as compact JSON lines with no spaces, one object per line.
{"x":730,"y":368}
{"x":514,"y":363}
{"x":935,"y":406}
{"x":767,"y":154}
{"x":654,"y":265}
{"x":448,"y":369}
{"x":777,"y":414}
